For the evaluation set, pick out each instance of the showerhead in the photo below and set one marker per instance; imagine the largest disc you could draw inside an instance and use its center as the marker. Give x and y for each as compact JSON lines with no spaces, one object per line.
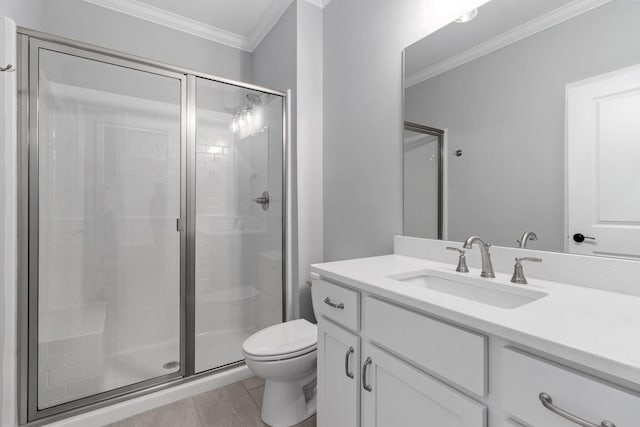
{"x":254,"y":99}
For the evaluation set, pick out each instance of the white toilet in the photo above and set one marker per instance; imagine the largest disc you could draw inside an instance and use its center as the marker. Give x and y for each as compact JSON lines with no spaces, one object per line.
{"x":285,"y":356}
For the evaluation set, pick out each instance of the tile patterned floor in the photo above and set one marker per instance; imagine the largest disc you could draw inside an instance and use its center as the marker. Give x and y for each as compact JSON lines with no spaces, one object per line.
{"x":236,"y":405}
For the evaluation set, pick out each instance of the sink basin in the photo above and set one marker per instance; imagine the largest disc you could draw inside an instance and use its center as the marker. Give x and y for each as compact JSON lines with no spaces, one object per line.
{"x":485,"y":291}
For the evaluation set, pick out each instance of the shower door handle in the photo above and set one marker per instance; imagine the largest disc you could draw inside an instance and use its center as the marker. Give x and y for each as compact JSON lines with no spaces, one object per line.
{"x":263,"y":200}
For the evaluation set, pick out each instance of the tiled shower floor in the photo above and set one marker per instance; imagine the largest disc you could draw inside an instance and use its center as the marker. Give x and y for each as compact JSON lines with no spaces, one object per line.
{"x":140,"y":364}
{"x":236,"y":405}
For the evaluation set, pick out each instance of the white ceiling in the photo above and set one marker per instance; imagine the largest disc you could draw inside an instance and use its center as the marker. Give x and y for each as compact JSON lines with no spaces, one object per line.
{"x":241,"y":24}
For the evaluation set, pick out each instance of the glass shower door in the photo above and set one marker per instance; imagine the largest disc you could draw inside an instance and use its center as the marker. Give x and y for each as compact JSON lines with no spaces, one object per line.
{"x":150,"y":228}
{"x":238,"y":219}
{"x":107,"y":254}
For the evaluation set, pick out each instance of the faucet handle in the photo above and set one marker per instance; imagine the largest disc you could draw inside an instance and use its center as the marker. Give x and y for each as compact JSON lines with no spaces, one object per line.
{"x":518,"y":273}
{"x":462,"y":260}
{"x":528,"y":258}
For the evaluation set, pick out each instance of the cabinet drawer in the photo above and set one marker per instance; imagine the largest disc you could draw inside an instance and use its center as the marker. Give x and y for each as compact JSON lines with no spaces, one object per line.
{"x":525,"y":377}
{"x":456,"y":355}
{"x":336,"y":303}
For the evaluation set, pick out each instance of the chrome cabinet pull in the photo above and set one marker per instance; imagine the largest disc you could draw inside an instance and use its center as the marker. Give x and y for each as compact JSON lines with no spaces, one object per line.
{"x":330,"y":303}
{"x":346,"y":362}
{"x":366,"y":364}
{"x":547,"y":402}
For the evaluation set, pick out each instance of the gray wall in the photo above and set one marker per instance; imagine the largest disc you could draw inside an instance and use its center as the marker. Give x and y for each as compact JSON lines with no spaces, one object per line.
{"x":309,"y":147}
{"x":27,"y":13}
{"x":290,"y":57}
{"x":362,"y":176}
{"x":8,"y":218}
{"x":78,"y":20}
{"x":506,"y":111}
{"x":144,"y":39}
{"x":274,"y":66}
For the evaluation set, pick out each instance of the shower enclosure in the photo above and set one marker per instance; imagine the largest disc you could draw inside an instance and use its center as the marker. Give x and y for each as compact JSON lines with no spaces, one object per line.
{"x":423,"y":181}
{"x":151,"y":234}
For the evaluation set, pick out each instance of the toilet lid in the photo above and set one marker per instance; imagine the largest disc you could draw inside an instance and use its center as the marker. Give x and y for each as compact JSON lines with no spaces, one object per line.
{"x":282,"y":339}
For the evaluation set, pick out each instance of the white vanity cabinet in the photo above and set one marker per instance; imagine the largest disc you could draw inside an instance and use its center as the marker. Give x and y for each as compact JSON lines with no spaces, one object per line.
{"x":385,"y":364}
{"x":362,"y":384}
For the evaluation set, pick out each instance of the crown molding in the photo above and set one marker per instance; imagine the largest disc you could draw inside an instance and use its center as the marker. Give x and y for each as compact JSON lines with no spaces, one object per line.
{"x":528,"y":29}
{"x":272,"y":16}
{"x":274,"y":12}
{"x":248,"y":43}
{"x":177,"y":22}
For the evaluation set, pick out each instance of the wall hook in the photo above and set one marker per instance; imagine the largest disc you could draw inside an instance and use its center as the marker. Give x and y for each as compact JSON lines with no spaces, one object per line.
{"x":458,"y":153}
{"x":9,"y":68}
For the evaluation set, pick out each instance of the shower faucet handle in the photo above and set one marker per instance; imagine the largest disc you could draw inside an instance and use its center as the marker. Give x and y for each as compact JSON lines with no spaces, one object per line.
{"x":263,"y":200}
{"x":462,"y":260}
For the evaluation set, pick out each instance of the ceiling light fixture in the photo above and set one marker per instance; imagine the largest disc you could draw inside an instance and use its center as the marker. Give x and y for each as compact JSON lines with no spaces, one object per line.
{"x":469,"y":16}
{"x":249,"y":120}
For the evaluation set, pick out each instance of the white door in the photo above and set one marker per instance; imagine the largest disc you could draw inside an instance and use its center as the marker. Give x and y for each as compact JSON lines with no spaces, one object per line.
{"x":603,"y":153}
{"x":395,"y":394}
{"x":338,"y":376}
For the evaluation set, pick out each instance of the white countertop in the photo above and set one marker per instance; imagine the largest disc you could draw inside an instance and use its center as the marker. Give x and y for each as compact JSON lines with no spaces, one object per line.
{"x":594,"y":328}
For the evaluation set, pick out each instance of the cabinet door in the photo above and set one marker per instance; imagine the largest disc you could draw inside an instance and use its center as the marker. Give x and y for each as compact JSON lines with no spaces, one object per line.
{"x":396,"y":394}
{"x":338,"y":376}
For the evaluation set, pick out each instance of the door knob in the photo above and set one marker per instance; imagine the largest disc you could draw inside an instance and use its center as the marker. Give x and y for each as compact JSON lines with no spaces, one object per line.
{"x":579,"y":238}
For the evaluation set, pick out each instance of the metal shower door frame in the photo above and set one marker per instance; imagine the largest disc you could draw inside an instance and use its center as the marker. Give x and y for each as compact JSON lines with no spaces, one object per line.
{"x":29,"y":44}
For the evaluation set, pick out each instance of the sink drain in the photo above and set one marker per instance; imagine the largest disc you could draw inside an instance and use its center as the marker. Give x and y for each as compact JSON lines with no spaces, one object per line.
{"x":171,"y":365}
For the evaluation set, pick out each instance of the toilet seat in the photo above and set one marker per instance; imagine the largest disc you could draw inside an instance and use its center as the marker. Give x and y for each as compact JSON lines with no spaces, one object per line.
{"x":282,"y":341}
{"x":277,"y":357}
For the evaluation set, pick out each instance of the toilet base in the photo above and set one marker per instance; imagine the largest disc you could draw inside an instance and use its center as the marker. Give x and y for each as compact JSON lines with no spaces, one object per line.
{"x":284,"y":403}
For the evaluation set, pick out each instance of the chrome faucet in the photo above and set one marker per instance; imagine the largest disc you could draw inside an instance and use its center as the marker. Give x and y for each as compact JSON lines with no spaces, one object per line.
{"x":487,"y":267}
{"x":528,"y":235}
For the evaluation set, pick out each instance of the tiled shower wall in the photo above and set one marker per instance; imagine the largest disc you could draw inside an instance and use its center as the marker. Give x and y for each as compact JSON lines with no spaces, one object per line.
{"x":238,"y":259}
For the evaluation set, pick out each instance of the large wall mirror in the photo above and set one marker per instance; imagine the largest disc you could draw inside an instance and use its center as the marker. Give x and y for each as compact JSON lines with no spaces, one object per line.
{"x":539,"y":107}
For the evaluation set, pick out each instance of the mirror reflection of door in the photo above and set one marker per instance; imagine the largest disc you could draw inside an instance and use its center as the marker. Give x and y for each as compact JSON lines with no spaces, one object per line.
{"x":603,"y":148}
{"x":422,"y":152}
